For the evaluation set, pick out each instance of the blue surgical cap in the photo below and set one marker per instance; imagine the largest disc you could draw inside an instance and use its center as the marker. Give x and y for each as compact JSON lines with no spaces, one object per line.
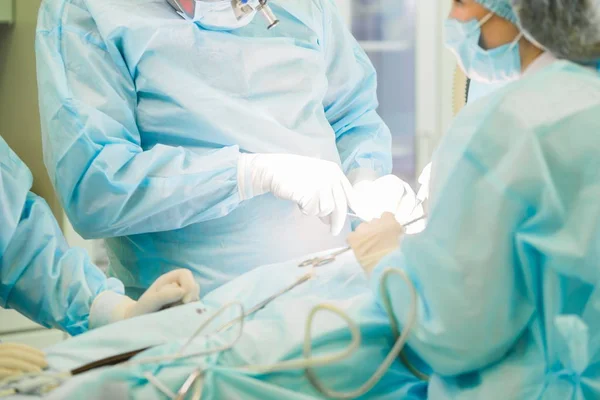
{"x":502,"y":8}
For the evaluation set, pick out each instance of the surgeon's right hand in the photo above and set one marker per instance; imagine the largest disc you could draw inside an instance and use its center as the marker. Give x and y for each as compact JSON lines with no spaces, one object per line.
{"x":172,"y":288}
{"x":318,"y":187}
{"x":18,"y":359}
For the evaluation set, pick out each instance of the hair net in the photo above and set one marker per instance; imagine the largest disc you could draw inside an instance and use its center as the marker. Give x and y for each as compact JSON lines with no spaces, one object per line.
{"x":569,"y":29}
{"x":501,"y":8}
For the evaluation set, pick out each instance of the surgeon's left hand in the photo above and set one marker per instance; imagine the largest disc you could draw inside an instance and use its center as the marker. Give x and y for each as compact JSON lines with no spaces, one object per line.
{"x":173,"y":288}
{"x":374,"y":240}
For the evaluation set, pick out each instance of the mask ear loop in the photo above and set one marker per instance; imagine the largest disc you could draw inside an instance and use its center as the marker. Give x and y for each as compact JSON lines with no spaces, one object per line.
{"x":517,"y":9}
{"x":484,"y":20}
{"x":481,"y":23}
{"x":516,"y":41}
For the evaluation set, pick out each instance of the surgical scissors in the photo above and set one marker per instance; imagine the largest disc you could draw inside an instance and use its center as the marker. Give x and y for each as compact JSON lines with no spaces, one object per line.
{"x":328,"y":259}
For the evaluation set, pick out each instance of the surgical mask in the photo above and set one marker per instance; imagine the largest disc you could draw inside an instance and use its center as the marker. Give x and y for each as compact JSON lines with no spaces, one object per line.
{"x":490,"y":66}
{"x":217,"y":15}
{"x":533,"y":41}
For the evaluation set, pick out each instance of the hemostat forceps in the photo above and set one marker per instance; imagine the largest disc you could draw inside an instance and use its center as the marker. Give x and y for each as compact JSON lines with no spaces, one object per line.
{"x":328,"y":259}
{"x":320,"y":261}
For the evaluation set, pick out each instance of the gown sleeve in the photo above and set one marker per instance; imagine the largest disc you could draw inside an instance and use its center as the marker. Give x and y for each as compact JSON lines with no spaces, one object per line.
{"x":40,"y":276}
{"x":108,"y":185}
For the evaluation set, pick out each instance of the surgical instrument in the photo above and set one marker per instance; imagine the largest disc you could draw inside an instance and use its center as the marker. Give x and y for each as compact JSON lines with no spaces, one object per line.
{"x":320,"y":261}
{"x":109,"y":361}
{"x":316,"y":262}
{"x":264,"y":303}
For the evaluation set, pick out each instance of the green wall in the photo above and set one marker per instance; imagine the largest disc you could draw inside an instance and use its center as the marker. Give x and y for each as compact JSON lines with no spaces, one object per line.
{"x":19,"y":114}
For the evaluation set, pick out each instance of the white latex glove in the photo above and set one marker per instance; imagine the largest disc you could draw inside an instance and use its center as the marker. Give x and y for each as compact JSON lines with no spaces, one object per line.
{"x":374,"y":240}
{"x":172,"y":288}
{"x":17,"y":359}
{"x":386,"y":194}
{"x":318,"y":187}
{"x":175,"y":287}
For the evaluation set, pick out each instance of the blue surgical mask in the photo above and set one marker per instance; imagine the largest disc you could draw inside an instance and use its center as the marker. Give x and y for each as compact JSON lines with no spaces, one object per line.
{"x":217,"y":15}
{"x":490,"y":66}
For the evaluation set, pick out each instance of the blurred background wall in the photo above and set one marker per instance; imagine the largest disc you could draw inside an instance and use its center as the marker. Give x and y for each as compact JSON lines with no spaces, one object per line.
{"x":19,"y":115}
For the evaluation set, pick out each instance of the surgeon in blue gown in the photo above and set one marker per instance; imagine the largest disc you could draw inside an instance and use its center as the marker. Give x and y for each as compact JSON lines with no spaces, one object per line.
{"x":507,"y":267}
{"x":42,"y":278}
{"x":206,"y":142}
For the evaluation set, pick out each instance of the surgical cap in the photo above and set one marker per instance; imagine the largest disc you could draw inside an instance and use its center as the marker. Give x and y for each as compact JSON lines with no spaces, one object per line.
{"x":569,"y":29}
{"x":502,"y":8}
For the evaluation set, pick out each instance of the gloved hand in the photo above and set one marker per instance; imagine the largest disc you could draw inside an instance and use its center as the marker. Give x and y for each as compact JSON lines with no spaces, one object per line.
{"x":172,"y":288}
{"x":374,"y":240}
{"x":175,"y":287}
{"x":386,"y":194}
{"x":17,"y":359}
{"x":318,"y":187}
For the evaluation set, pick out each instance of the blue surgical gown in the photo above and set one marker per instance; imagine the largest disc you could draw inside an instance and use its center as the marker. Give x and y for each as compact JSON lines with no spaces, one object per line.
{"x":40,"y":276}
{"x":144,"y":115}
{"x":507,"y":270}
